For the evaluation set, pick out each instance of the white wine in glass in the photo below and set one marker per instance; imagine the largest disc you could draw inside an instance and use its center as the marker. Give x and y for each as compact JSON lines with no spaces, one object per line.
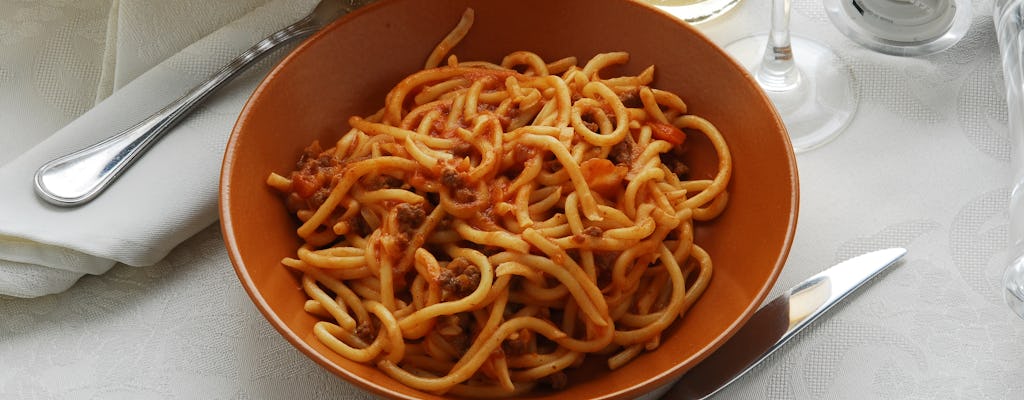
{"x":811,"y":88}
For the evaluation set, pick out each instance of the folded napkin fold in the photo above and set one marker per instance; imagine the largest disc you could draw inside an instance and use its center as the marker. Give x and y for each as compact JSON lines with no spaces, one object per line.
{"x":171,"y":192}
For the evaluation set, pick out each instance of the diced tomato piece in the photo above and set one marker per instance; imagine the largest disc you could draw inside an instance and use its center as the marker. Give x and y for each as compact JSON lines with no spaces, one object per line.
{"x":603,"y":177}
{"x":667,"y":132}
{"x":304,"y":184}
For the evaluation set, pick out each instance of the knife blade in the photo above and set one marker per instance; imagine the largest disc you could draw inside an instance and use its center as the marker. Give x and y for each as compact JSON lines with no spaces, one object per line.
{"x":778,"y":321}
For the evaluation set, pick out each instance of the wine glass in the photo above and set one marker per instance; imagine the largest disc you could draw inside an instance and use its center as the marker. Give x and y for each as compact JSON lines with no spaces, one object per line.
{"x":1008,"y":16}
{"x":811,"y":88}
{"x":695,"y":11}
{"x":902,"y":27}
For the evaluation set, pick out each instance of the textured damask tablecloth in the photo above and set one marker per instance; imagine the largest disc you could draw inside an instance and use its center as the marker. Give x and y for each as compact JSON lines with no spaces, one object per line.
{"x":924,"y":165}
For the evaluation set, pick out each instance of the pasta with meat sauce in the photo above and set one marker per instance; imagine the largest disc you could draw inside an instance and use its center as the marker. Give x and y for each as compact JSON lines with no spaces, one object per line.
{"x":497,"y":223}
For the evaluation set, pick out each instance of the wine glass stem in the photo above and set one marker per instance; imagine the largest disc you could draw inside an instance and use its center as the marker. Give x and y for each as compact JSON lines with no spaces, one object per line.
{"x":778,"y":71}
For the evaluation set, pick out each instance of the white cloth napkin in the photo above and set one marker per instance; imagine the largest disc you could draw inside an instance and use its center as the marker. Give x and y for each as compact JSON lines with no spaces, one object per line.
{"x":107,"y":65}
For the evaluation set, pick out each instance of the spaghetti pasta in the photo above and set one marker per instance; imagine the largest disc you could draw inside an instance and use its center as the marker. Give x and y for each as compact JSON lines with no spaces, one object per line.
{"x":497,"y":223}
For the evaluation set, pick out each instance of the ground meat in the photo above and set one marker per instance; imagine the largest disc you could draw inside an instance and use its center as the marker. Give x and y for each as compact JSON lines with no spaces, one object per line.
{"x":491,"y":250}
{"x":557,"y":380}
{"x":605,"y":260}
{"x":589,"y":121}
{"x":384,"y":182}
{"x":314,"y":171}
{"x":622,"y":153}
{"x":456,"y":182}
{"x":410,"y":217}
{"x":326,"y":160}
{"x":319,"y":197}
{"x":402,"y":241}
{"x":675,"y":164}
{"x":366,"y":331}
{"x":445,"y":223}
{"x":460,"y":277}
{"x":294,"y":202}
{"x":450,"y":178}
{"x":631,"y":99}
{"x":465,"y":195}
{"x":593,"y":231}
{"x":358,"y":226}
{"x":309,"y":153}
{"x":522,"y":153}
{"x":511,"y":113}
{"x":517,"y":343}
{"x":455,"y":329}
{"x":553,"y":165}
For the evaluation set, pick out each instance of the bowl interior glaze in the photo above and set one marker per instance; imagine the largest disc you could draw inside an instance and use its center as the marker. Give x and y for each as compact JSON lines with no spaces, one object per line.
{"x":349,"y":67}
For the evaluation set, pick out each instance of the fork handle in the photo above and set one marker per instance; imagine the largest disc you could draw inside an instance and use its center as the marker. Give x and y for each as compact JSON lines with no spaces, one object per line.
{"x":77,"y":178}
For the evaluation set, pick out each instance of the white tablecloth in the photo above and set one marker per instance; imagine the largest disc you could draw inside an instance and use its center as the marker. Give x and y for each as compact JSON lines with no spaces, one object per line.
{"x":924,"y":165}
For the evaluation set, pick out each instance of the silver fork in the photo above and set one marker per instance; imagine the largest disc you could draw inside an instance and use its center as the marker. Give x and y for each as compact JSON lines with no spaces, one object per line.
{"x":79,"y":177}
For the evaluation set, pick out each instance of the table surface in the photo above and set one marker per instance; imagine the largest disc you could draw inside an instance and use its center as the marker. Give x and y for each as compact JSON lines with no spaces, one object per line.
{"x":924,"y":165}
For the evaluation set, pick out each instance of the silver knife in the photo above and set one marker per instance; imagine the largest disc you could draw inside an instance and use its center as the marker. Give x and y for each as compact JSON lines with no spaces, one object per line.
{"x":778,"y":321}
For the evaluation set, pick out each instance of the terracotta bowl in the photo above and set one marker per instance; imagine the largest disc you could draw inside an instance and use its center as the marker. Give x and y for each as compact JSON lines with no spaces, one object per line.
{"x":349,"y":67}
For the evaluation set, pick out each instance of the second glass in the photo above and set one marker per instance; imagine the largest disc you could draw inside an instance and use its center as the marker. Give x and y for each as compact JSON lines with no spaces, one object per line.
{"x":1008,"y":17}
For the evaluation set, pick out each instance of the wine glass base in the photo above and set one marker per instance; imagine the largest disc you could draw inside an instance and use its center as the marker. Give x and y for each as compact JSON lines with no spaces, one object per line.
{"x":822,"y":103}
{"x":927,"y":31}
{"x":1013,"y":285}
